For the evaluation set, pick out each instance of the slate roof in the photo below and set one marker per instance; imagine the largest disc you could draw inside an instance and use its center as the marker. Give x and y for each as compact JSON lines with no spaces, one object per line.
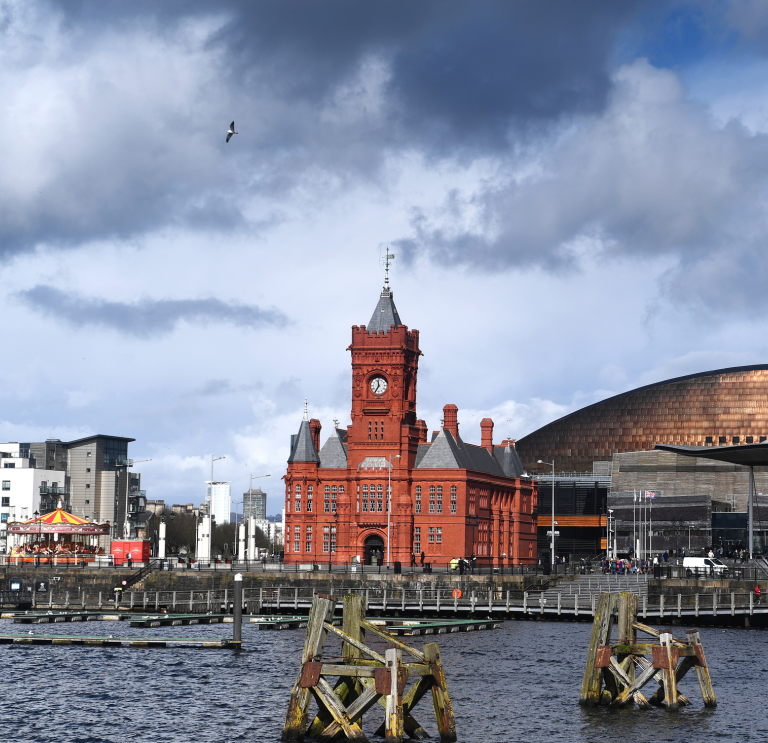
{"x":303,"y":447}
{"x":385,"y":315}
{"x":420,"y":454}
{"x":333,"y":453}
{"x":509,"y":460}
{"x":447,"y":452}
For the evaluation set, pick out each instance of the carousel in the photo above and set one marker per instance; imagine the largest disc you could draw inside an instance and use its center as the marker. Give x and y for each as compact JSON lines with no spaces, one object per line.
{"x":57,"y":537}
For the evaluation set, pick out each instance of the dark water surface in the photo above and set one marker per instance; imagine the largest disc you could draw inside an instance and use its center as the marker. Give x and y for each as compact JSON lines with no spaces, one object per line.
{"x":519,"y":683}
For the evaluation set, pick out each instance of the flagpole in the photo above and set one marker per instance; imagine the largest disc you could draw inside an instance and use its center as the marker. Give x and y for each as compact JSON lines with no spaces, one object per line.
{"x":634,"y":539}
{"x":650,"y":527}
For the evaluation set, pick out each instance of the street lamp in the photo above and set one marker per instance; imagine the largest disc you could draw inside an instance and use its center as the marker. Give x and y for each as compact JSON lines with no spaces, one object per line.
{"x":552,"y":465}
{"x":39,"y":534}
{"x":389,"y":504}
{"x":250,"y":493}
{"x":608,"y":550}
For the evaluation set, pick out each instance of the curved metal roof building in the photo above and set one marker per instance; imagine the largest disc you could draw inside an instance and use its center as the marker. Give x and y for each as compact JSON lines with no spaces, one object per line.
{"x":724,"y":406}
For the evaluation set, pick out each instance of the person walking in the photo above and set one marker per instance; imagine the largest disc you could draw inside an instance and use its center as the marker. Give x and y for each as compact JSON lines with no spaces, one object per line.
{"x":129,"y":560}
{"x":422,"y":559}
{"x":758,"y":593}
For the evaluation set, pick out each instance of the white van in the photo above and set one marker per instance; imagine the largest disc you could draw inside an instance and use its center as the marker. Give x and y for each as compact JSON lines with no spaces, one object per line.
{"x":704,"y":566}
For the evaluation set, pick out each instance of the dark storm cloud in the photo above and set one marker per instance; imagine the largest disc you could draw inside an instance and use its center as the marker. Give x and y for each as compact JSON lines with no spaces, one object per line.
{"x":147,"y":318}
{"x":466,"y":70}
{"x":653,"y":177}
{"x":126,"y":104}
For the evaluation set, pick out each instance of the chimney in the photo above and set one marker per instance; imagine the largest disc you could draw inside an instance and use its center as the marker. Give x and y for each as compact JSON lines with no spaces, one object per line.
{"x":451,"y":419}
{"x":486,"y":427}
{"x":315,"y":426}
{"x":421,"y":427}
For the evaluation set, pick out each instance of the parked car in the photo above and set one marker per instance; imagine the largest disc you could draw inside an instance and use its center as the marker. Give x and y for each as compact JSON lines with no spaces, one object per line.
{"x":704,"y":566}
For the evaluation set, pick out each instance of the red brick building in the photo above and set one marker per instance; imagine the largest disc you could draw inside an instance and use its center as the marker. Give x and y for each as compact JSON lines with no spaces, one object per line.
{"x":449,"y":498}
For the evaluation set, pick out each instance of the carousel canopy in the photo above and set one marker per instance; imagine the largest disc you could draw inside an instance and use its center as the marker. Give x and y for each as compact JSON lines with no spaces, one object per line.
{"x":58,"y":522}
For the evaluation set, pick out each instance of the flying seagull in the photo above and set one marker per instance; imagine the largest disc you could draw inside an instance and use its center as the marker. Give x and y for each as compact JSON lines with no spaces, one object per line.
{"x":231,"y":131}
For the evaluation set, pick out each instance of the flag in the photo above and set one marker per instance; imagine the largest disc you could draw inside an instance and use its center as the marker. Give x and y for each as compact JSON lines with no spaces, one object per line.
{"x":650,"y":494}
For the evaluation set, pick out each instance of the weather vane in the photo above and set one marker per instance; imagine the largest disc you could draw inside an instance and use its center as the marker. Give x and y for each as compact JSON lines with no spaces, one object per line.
{"x":385,"y":260}
{"x":306,"y":417}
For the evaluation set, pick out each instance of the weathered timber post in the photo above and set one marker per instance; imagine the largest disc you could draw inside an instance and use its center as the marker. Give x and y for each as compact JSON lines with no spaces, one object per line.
{"x":702,"y":671}
{"x":601,"y":634}
{"x":446,"y":723}
{"x":66,"y":600}
{"x":100,"y":603}
{"x":696,"y":612}
{"x":296,"y":719}
{"x":393,"y":719}
{"x":679,"y":605}
{"x":667,"y":663}
{"x":237,"y":611}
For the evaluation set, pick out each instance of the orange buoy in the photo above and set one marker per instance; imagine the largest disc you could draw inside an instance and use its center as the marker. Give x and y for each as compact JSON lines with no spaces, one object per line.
{"x":457,"y":593}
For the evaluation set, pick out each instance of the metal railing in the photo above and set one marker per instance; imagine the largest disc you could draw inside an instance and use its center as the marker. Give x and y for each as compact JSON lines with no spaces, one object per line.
{"x":494,"y":601}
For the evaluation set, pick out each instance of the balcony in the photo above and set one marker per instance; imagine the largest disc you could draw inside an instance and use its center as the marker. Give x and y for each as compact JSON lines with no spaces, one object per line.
{"x":54,"y":490}
{"x":118,"y":461}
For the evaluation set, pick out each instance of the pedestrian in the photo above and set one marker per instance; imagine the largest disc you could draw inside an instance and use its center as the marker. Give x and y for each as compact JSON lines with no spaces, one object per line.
{"x":757,"y":593}
{"x":473,"y":562}
{"x":413,"y":560}
{"x":462,"y":565}
{"x":129,"y":560}
{"x":422,"y":558}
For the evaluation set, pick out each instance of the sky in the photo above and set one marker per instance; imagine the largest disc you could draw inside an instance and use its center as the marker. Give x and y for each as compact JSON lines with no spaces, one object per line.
{"x":576,"y":194}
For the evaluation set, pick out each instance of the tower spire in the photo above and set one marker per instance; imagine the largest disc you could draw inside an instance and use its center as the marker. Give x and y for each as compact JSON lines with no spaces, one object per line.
{"x":386,"y":259}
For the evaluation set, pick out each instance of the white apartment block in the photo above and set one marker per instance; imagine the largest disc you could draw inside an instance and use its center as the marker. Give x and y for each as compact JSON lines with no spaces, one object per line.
{"x":22,"y":487}
{"x":219,"y":501}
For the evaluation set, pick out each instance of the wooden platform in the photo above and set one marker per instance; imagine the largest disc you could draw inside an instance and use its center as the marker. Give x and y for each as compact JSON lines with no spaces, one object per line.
{"x":177,"y":620}
{"x":116,"y":642}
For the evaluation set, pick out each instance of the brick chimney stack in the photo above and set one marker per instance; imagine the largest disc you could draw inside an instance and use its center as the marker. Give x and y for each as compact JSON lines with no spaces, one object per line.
{"x":486,"y":427}
{"x":314,"y":427}
{"x":451,"y":419}
{"x":421,"y":426}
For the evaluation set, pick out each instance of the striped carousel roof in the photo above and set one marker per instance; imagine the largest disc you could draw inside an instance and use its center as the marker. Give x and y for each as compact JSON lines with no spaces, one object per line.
{"x":59,"y":516}
{"x":58,"y":521}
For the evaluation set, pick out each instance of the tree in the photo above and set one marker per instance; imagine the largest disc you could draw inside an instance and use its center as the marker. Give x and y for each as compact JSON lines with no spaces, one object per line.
{"x":180,"y":531}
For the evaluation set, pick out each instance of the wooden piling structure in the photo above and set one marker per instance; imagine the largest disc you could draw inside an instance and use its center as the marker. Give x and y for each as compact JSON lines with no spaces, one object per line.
{"x":616,"y":672}
{"x":364,"y":678}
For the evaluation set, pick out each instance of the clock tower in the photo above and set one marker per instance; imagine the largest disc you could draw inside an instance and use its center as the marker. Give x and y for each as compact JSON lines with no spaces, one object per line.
{"x":385,"y":361}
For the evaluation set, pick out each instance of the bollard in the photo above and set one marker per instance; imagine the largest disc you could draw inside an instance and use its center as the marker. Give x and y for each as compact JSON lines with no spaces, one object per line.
{"x":237,"y":619}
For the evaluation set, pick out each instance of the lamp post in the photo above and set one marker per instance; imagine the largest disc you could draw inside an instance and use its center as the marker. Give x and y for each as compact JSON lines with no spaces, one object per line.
{"x":39,"y":534}
{"x":608,"y":536}
{"x":552,"y":465}
{"x":389,"y":504}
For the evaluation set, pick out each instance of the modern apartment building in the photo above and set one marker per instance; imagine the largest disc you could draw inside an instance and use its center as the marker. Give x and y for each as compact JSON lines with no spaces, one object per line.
{"x":90,"y":476}
{"x":25,"y":488}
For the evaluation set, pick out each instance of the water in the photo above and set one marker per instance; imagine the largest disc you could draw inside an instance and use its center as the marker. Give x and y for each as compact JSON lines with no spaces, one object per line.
{"x":520,"y":683}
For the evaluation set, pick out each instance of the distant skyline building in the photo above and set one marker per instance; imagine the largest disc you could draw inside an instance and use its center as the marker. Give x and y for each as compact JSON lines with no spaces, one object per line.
{"x":219,"y":500}
{"x":255,"y":504}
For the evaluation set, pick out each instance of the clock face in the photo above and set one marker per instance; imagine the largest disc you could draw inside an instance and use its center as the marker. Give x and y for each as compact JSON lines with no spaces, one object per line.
{"x":378,"y":385}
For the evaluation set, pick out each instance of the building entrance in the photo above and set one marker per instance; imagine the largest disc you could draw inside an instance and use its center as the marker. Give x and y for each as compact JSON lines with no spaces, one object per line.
{"x":373,"y":544}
